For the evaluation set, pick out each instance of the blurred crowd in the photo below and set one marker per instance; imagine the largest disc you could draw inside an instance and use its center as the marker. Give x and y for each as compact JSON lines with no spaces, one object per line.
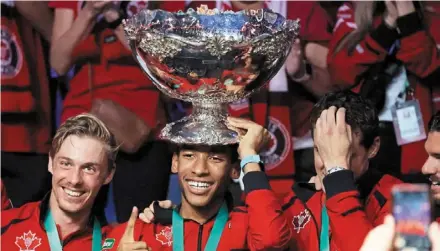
{"x":377,"y":60}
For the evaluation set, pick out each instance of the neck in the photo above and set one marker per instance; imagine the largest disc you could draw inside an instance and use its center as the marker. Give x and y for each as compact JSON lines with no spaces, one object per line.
{"x":200,"y":214}
{"x":67,"y":223}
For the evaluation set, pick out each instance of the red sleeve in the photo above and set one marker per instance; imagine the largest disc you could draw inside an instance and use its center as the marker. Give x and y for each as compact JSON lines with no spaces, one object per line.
{"x":418,"y":50}
{"x":345,"y":211}
{"x":344,"y":68}
{"x":268,"y":227}
{"x":6,"y":203}
{"x":73,"y":5}
{"x":314,"y":20}
{"x":379,"y":203}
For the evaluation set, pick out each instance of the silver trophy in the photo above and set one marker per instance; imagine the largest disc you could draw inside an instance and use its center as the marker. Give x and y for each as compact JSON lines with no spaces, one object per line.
{"x":209,"y":58}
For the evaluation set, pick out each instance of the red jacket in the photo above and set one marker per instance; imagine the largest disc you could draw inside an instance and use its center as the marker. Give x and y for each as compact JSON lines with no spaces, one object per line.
{"x":259,"y":226}
{"x":417,"y":52}
{"x":5,"y":203}
{"x":25,"y":100}
{"x":23,"y":229}
{"x":350,"y":218}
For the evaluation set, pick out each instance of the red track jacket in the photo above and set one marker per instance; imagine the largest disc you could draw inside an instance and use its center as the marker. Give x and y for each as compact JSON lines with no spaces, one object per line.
{"x":351,"y":218}
{"x":260,"y":225}
{"x":23,"y":229}
{"x":418,"y":52}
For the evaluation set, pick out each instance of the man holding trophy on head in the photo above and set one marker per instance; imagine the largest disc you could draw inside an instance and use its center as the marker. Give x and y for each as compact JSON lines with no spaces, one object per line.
{"x":211,"y":58}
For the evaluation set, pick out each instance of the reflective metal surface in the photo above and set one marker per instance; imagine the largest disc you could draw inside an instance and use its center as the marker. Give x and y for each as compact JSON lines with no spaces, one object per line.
{"x":209,"y":58}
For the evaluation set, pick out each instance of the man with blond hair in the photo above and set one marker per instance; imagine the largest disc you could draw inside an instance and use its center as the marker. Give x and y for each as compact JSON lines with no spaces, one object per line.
{"x":81,"y":161}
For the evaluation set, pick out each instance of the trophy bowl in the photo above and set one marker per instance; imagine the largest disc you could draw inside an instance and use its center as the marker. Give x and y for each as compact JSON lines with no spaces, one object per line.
{"x":209,"y":58}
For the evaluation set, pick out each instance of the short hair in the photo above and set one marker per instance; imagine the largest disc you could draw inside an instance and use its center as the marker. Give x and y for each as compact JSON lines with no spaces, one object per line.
{"x":360,"y":114}
{"x":434,"y":123}
{"x":86,"y":125}
{"x":231,"y":150}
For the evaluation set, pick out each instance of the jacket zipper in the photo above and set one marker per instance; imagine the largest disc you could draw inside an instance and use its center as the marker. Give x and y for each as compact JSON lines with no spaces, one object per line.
{"x":199,"y":239}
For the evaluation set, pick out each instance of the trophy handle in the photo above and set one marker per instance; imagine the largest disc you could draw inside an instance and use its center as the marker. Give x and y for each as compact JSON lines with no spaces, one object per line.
{"x":207,"y":125}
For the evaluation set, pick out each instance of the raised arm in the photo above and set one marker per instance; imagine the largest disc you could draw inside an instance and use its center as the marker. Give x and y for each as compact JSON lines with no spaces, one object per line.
{"x":69,"y":31}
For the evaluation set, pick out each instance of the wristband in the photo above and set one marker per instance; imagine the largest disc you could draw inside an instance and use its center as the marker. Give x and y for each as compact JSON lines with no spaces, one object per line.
{"x":335,"y":169}
{"x":250,"y":159}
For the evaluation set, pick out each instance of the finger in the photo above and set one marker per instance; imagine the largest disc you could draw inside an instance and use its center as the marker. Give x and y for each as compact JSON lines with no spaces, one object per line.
{"x":340,"y":120}
{"x":144,"y":218}
{"x":166,"y":204}
{"x":323,"y":118}
{"x":135,"y":245}
{"x":129,"y":230}
{"x":434,"y":233}
{"x":242,"y":123}
{"x":149,"y":216}
{"x":331,"y":116}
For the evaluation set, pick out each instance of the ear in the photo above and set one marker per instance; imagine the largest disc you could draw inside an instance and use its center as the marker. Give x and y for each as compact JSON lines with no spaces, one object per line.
{"x":109,"y":177}
{"x":174,"y":163}
{"x":372,"y":151}
{"x":49,"y":165}
{"x":235,"y":171}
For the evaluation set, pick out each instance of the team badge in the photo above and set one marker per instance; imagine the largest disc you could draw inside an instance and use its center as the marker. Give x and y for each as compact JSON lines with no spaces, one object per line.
{"x":11,"y":55}
{"x":165,"y":236}
{"x":279,"y":146}
{"x":27,"y":242}
{"x":300,"y":221}
{"x":108,"y":243}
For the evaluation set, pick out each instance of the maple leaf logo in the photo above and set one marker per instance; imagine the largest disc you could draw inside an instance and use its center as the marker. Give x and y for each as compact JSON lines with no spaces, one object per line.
{"x":165,"y":236}
{"x":27,"y":242}
{"x":299,"y":221}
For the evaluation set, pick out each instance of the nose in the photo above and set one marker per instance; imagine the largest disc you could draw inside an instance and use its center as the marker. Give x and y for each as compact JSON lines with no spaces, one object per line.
{"x":75,"y":176}
{"x":431,"y":166}
{"x":200,"y":167}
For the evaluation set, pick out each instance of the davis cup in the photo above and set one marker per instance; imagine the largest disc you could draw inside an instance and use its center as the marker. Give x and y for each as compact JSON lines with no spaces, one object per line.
{"x":209,"y":58}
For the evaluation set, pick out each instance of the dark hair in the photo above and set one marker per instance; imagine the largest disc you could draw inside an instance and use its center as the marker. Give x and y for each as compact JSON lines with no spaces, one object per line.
{"x":230,"y":150}
{"x":360,"y":113}
{"x":434,"y":123}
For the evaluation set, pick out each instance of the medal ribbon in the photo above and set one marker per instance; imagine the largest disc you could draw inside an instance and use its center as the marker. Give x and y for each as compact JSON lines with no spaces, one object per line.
{"x":324,"y":239}
{"x":54,"y":239}
{"x":214,"y":237}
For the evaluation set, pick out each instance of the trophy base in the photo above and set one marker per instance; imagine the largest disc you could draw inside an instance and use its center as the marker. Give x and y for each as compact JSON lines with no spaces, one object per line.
{"x":207,"y":125}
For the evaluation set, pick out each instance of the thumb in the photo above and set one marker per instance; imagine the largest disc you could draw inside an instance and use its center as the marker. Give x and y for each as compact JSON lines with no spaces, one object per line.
{"x":166,"y":204}
{"x":434,"y":233}
{"x":129,"y":229}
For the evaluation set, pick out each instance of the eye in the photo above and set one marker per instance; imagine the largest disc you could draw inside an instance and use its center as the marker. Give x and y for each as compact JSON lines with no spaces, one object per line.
{"x":64,"y":164}
{"x":217,"y":159}
{"x":188,"y":155}
{"x":89,"y":169}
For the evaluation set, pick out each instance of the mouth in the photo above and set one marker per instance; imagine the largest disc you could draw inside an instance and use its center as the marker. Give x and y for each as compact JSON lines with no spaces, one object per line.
{"x":199,"y":187}
{"x":73,"y":193}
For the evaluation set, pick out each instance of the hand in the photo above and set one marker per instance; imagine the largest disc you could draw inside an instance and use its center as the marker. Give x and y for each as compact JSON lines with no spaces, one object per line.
{"x":391,"y":14}
{"x":333,"y":138}
{"x":148,"y":215}
{"x":111,"y":13}
{"x":381,"y":237}
{"x":253,"y":137}
{"x":434,"y":233}
{"x":318,"y":183}
{"x":295,"y":66}
{"x":405,"y":7}
{"x":127,"y":242}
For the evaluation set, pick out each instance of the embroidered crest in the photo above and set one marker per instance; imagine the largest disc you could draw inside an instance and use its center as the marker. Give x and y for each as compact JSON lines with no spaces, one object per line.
{"x":165,"y":236}
{"x":280,"y":144}
{"x":11,"y":55}
{"x":300,"y":221}
{"x":27,"y":242}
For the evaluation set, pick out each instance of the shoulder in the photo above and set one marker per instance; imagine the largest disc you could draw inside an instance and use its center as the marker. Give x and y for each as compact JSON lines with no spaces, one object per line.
{"x":382,"y":191}
{"x":17,"y":216}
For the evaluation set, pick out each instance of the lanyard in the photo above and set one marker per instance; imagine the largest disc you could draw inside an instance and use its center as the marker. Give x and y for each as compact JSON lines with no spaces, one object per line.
{"x":214,"y":236}
{"x":324,"y":239}
{"x":54,"y":239}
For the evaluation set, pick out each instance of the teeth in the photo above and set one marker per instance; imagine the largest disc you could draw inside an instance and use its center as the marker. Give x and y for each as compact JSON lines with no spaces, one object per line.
{"x":72,"y":193}
{"x":198,"y":184}
{"x":435,"y":183}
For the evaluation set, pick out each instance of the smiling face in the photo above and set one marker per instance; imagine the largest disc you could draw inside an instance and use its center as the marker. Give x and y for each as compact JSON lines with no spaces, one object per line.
{"x":432,"y":164}
{"x":204,"y":174}
{"x":79,"y":169}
